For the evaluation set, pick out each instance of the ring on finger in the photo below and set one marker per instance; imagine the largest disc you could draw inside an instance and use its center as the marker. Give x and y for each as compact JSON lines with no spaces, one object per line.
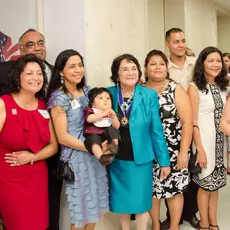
{"x":15,"y":162}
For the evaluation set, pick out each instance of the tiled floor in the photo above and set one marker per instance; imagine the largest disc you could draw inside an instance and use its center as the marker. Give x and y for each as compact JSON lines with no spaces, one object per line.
{"x":109,"y":221}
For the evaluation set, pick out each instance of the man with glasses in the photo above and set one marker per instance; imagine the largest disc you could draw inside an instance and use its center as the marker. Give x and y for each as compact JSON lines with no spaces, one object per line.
{"x":33,"y":42}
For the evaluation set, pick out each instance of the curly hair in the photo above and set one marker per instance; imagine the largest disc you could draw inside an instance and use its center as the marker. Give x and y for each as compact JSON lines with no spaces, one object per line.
{"x":199,"y":72}
{"x":55,"y":81}
{"x":116,"y":65}
{"x":13,"y":79}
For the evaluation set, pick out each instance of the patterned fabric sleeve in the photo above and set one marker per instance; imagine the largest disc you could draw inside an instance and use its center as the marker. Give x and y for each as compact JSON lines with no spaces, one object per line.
{"x":59,"y":98}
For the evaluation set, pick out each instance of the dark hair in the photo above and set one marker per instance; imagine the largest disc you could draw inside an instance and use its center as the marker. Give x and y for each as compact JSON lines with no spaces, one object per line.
{"x":173,"y":30}
{"x":13,"y":79}
{"x":116,"y":64}
{"x":227,"y":55}
{"x":156,"y":53}
{"x":55,"y":81}
{"x":199,"y":76}
{"x":29,"y":30}
{"x":96,"y":91}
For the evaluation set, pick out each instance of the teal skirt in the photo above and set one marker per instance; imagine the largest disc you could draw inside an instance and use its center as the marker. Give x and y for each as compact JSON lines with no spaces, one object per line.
{"x":130,"y":187}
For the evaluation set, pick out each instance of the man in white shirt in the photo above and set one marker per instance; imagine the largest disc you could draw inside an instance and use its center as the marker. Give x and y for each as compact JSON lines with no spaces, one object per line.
{"x":180,"y":65}
{"x":180,"y":69}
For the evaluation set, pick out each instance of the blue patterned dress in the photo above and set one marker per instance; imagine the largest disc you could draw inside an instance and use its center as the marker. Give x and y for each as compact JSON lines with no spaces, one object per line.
{"x":88,"y":195}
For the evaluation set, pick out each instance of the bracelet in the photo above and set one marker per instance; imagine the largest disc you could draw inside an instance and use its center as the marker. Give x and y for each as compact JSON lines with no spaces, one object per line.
{"x":196,"y":126}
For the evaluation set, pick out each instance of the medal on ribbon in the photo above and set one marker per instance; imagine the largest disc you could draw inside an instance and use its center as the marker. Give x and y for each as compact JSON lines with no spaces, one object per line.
{"x":124,"y":120}
{"x":125,"y":107}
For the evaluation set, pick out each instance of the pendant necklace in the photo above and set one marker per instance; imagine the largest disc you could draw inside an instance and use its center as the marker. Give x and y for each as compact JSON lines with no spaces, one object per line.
{"x":125,"y":107}
{"x":162,"y":87}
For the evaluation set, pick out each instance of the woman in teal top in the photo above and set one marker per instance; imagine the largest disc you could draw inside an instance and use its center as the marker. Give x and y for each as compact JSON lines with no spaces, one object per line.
{"x":143,"y":141}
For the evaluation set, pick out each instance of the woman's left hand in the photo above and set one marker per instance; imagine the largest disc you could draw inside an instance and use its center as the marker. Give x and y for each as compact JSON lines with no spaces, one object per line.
{"x":19,"y":158}
{"x":182,"y":160}
{"x":165,"y":171}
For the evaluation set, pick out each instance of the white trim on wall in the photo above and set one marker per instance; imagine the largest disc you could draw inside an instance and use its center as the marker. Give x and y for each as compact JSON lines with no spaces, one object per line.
{"x":40,"y":16}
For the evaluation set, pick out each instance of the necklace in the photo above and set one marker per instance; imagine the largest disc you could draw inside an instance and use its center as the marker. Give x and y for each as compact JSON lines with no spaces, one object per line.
{"x":125,"y":106}
{"x":162,"y":87}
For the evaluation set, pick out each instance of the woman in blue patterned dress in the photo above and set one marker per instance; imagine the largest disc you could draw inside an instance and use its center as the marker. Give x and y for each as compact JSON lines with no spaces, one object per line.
{"x":68,"y":95}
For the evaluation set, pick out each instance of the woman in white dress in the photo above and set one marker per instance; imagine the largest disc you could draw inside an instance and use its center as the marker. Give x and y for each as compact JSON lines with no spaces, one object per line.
{"x":207,"y":93}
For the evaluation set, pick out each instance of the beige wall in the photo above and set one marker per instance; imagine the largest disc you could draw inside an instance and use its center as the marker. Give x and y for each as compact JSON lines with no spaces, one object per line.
{"x":196,"y":17}
{"x":112,"y":28}
{"x":200,"y":24}
{"x":64,"y":26}
{"x":223,"y":33}
{"x":155,"y":25}
{"x":101,"y":29}
{"x":174,"y":14}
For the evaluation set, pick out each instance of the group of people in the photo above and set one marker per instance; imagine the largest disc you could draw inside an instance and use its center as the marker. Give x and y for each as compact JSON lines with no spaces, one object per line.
{"x":128,"y":145}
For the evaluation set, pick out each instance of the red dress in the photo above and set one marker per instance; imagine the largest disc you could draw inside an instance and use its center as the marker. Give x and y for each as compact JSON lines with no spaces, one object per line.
{"x":24,"y":189}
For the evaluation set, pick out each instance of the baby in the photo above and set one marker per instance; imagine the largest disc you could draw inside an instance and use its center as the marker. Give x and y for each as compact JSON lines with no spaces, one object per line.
{"x":101,"y":123}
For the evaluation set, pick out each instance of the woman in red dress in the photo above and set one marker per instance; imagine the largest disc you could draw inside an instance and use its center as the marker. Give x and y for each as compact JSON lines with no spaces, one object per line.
{"x":26,"y":140}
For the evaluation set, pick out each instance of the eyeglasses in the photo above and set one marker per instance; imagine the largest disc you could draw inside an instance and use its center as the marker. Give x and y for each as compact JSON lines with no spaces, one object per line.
{"x":32,"y":45}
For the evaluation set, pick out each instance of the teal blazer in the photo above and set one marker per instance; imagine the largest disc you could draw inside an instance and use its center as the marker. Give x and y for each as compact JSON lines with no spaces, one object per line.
{"x":145,"y":126}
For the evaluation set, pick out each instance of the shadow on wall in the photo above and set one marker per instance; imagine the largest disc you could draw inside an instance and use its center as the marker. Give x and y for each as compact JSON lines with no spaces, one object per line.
{"x":7,"y":50}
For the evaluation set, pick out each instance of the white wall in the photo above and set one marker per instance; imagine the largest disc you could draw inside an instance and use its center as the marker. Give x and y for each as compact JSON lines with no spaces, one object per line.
{"x":174,"y":14}
{"x":64,"y":26}
{"x":200,"y":24}
{"x":197,"y":18}
{"x":16,"y":17}
{"x":101,"y":30}
{"x":155,"y":25}
{"x":112,"y":28}
{"x":223,"y":32}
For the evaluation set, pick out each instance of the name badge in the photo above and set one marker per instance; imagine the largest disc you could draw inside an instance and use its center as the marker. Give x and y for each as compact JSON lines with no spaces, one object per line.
{"x":14,"y":111}
{"x":44,"y":113}
{"x":75,"y":104}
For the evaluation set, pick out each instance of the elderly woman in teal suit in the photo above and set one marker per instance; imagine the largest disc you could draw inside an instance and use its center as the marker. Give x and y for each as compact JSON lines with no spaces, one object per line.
{"x":143,"y":141}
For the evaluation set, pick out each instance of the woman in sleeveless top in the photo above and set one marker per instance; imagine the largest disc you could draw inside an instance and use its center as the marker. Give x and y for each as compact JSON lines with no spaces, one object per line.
{"x":87,"y":195}
{"x":176,"y":117}
{"x":207,"y":93}
{"x":26,"y":140}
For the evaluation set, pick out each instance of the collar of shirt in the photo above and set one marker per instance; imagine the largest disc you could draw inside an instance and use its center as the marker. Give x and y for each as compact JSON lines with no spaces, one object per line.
{"x":48,"y":72}
{"x":189,"y":61}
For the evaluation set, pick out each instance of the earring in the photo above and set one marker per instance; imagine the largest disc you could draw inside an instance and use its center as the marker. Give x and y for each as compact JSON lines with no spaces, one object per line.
{"x":62,"y":80}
